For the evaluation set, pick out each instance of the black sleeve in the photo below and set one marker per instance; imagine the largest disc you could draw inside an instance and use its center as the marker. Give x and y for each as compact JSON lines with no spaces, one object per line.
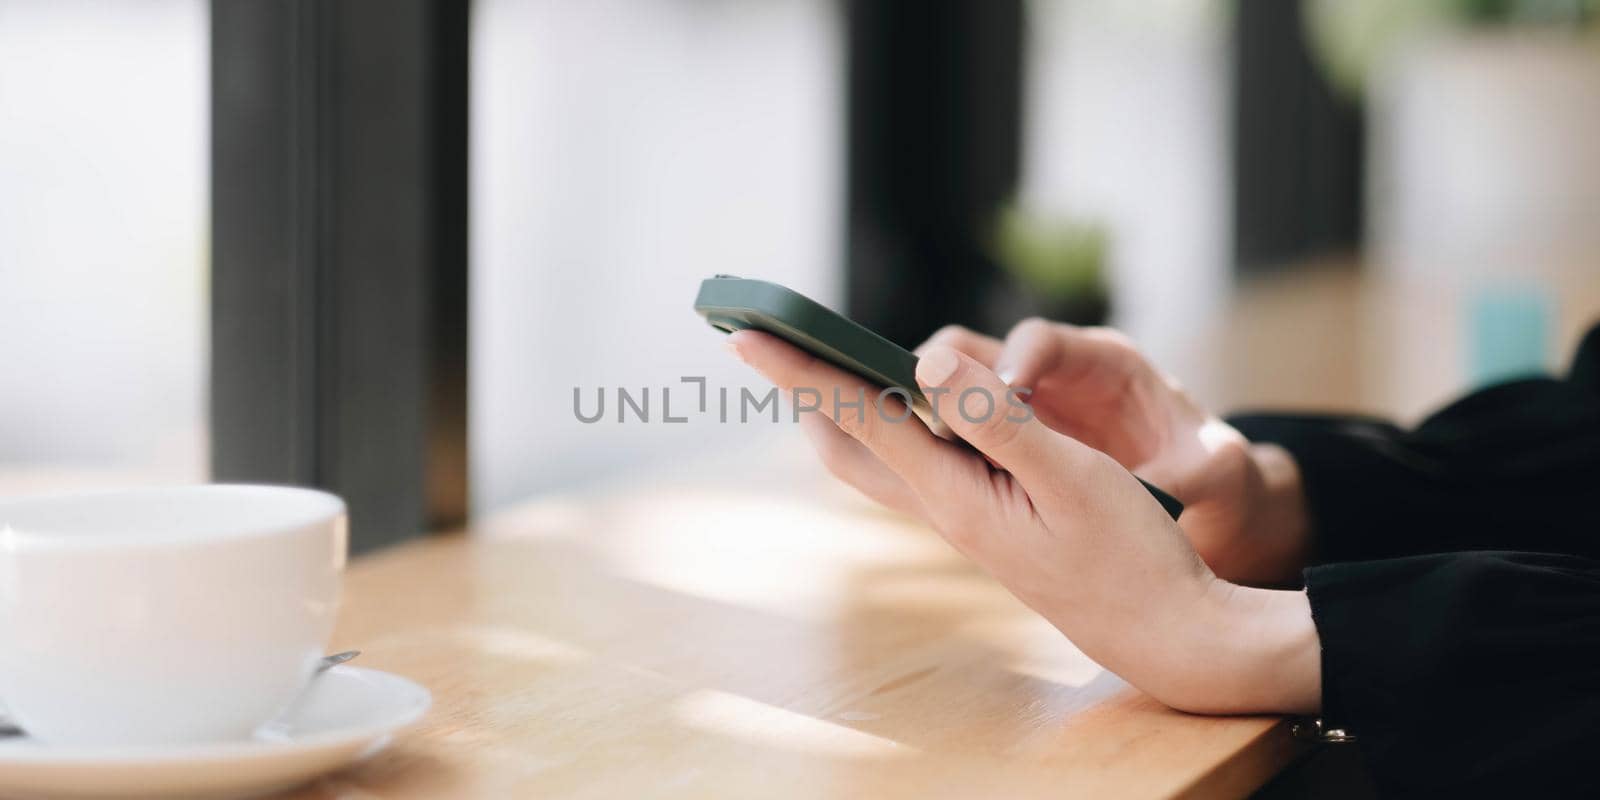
{"x":1511,"y":467}
{"x":1466,"y":673}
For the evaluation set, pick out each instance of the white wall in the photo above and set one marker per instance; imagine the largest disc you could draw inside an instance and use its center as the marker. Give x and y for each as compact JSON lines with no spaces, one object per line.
{"x":1127,"y":125}
{"x":622,"y":151}
{"x":103,"y":250}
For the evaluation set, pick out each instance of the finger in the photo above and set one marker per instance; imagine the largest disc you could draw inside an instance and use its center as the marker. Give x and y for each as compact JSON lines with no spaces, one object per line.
{"x":944,"y":478}
{"x":1038,"y":349}
{"x":850,"y":461}
{"x":976,"y":404}
{"x":983,"y":349}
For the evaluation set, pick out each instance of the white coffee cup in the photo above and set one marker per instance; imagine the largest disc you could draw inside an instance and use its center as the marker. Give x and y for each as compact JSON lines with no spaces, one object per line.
{"x":166,"y":615}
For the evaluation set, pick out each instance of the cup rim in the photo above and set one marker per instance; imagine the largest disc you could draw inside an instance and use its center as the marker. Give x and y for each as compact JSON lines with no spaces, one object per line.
{"x":101,"y":530}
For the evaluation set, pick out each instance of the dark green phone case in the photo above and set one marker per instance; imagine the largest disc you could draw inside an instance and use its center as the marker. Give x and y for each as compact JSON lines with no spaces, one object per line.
{"x":730,"y":303}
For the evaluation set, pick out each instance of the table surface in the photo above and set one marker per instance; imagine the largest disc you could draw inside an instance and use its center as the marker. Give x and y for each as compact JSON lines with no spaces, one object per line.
{"x":679,"y":640}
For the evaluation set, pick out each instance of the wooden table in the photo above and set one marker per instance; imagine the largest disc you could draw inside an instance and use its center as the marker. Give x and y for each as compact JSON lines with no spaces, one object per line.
{"x":677,"y":640}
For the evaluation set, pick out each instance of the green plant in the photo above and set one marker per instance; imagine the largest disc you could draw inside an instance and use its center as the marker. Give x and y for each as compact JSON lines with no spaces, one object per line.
{"x":1057,"y":259}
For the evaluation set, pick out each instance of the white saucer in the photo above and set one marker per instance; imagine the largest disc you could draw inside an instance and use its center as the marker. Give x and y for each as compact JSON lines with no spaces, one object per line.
{"x":347,"y":714}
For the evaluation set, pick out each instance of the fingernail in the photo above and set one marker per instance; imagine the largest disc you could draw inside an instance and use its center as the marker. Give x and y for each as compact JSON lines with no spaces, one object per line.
{"x":1006,"y":374}
{"x":733,"y":347}
{"x":937,"y":365}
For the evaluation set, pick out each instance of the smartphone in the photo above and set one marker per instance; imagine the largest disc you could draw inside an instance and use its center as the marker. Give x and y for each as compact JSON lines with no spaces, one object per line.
{"x":730,"y":303}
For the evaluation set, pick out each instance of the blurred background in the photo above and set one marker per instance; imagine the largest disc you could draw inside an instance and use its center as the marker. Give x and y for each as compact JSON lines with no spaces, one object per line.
{"x":1315,"y":204}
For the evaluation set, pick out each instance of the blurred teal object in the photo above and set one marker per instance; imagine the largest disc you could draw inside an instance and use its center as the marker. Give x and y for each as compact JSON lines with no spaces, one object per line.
{"x":1510,"y":336}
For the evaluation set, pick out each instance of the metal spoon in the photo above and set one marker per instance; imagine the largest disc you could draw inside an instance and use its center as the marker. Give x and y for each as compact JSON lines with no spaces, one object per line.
{"x":9,"y":728}
{"x":329,"y":662}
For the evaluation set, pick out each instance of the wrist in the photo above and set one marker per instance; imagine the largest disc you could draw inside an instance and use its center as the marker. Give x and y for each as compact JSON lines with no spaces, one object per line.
{"x":1278,"y":526}
{"x":1247,"y":651}
{"x":1269,"y":650}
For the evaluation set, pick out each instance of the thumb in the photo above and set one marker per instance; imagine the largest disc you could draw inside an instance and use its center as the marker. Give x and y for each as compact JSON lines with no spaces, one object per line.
{"x":991,"y":416}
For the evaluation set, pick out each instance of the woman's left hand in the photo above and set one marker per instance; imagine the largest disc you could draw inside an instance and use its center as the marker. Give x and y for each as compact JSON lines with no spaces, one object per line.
{"x":1064,"y":528}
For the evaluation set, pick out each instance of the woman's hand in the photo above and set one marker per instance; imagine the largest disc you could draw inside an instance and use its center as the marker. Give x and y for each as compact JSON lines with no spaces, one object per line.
{"x":1065,"y":528}
{"x":1244,"y":509}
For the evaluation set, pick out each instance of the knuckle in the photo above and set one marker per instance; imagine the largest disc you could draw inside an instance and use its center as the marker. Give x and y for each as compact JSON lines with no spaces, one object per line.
{"x":986,"y":419}
{"x":1120,"y":352}
{"x":1031,"y":327}
{"x":1114,"y":340}
{"x":855,"y":422}
{"x":997,"y":432}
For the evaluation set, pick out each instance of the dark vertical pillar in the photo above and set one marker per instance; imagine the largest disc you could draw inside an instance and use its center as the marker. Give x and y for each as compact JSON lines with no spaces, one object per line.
{"x":935,"y":110}
{"x":339,"y":248}
{"x":1297,"y":144}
